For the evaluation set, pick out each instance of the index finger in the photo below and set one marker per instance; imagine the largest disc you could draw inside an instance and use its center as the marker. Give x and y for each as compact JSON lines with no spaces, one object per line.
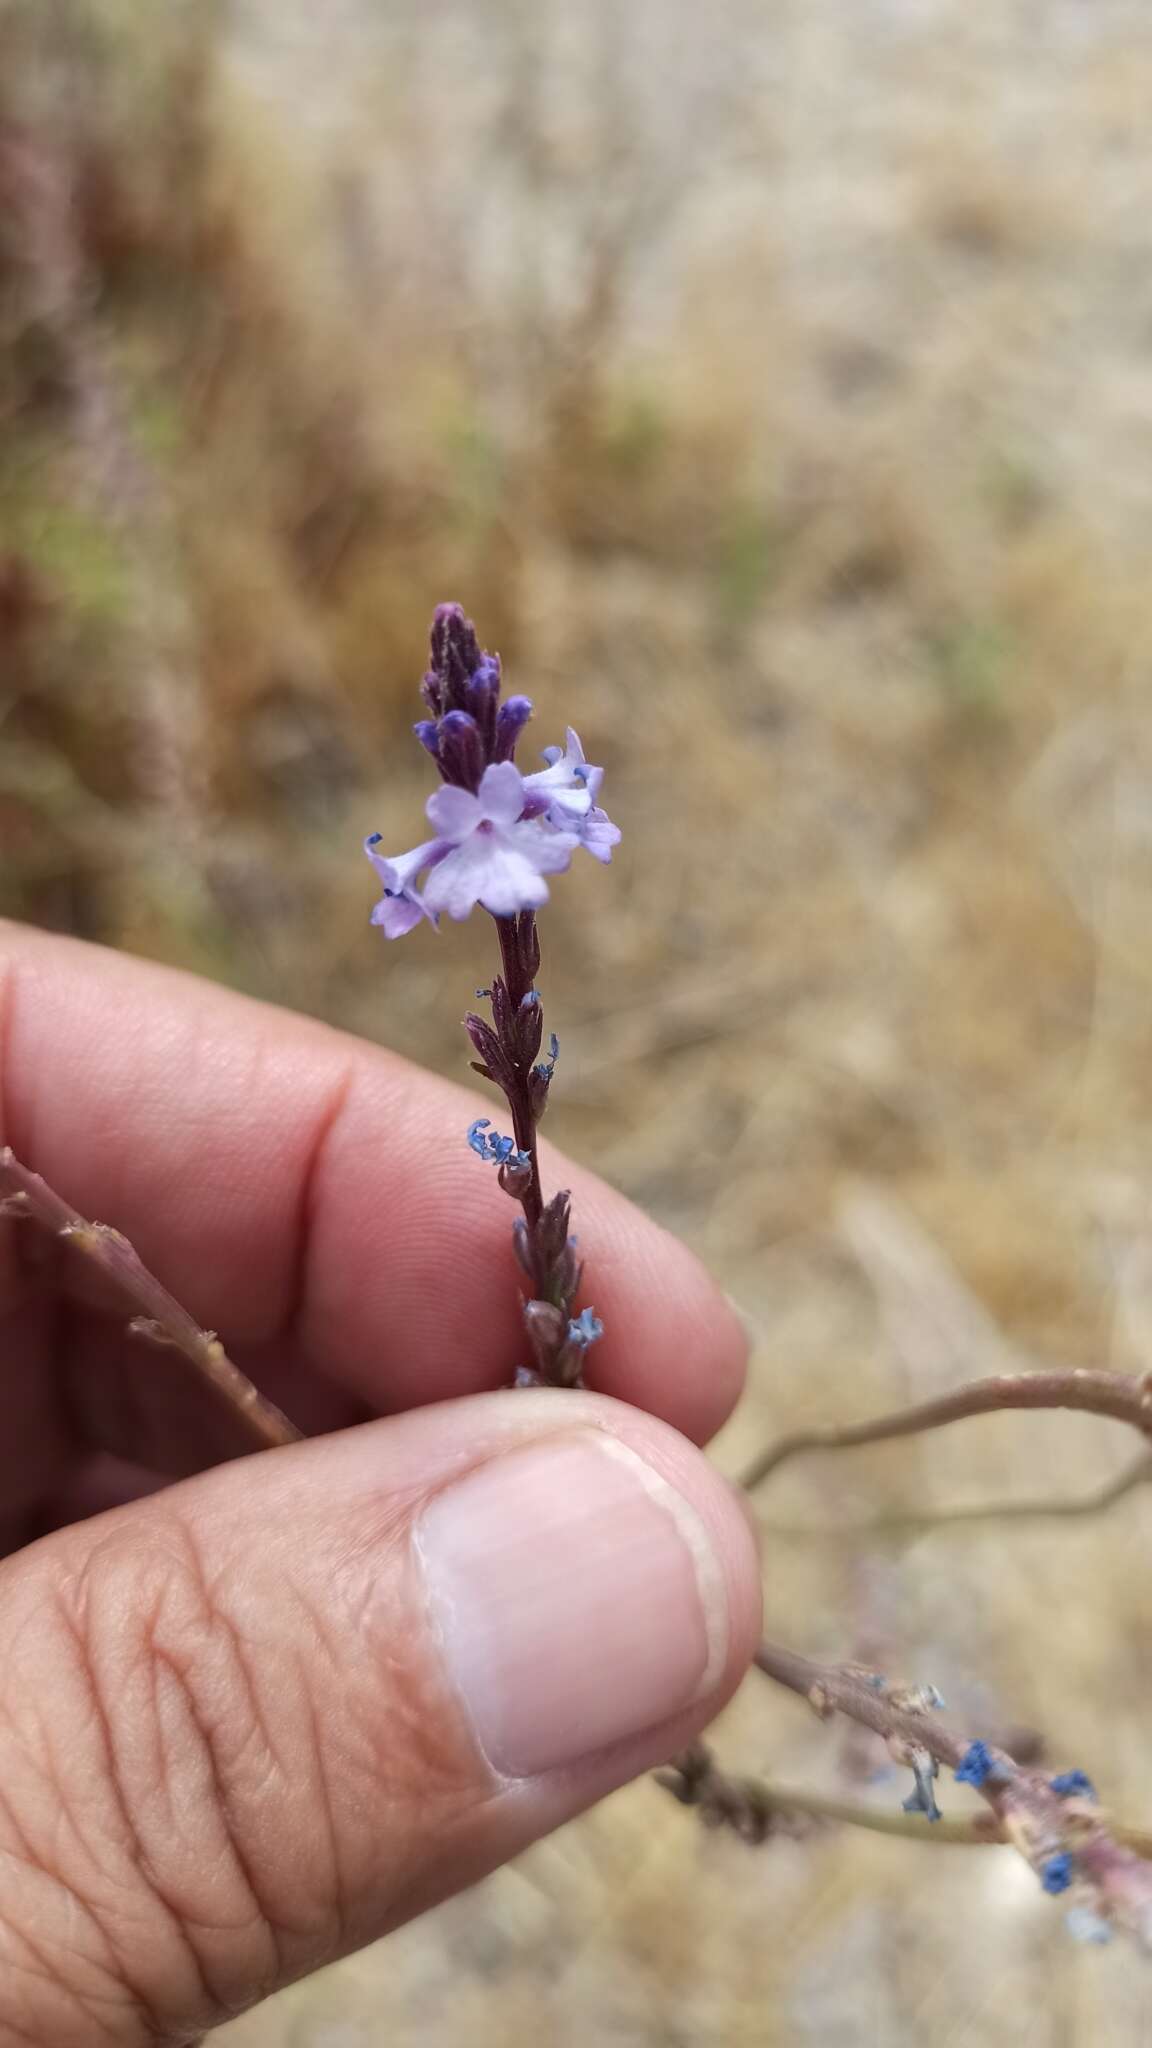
{"x":299,"y":1189}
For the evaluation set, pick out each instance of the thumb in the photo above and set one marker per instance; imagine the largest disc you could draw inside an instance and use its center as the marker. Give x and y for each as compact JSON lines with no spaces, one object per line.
{"x":259,"y":1719}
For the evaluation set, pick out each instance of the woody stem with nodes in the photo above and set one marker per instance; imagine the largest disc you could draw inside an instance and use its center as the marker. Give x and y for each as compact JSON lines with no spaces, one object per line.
{"x":498,"y":833}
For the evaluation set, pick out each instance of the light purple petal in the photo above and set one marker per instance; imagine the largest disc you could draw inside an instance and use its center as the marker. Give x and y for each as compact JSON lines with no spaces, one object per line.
{"x":398,"y":914}
{"x":503,"y":870}
{"x":568,"y":808}
{"x":455,"y":812}
{"x":399,"y":870}
{"x":551,"y":851}
{"x":454,"y":885}
{"x":599,"y":835}
{"x":502,"y":793}
{"x":556,"y":776}
{"x":512,"y":882}
{"x":485,"y":870}
{"x":569,"y":782}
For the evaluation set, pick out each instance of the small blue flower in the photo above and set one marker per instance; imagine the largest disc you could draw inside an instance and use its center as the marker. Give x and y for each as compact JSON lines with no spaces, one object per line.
{"x":585,"y":1330}
{"x":1056,"y":1874}
{"x":1073,"y":1785}
{"x":545,"y":1069}
{"x":976,"y":1765}
{"x":488,"y":1144}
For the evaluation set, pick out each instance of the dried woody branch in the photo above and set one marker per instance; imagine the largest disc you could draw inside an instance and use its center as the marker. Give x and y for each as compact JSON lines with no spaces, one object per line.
{"x":972,"y":1514}
{"x":1054,"y":1823}
{"x":158,"y":1317}
{"x":1114,"y":1394}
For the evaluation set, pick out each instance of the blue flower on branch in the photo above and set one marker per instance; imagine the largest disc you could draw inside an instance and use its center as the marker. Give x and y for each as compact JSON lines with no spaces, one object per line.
{"x":1056,"y":1873}
{"x":1073,"y":1785}
{"x":585,"y":1330}
{"x":975,"y":1766}
{"x":489,"y":1145}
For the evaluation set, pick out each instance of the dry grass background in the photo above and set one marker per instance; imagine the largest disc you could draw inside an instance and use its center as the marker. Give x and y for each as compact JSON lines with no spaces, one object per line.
{"x":774,"y":384}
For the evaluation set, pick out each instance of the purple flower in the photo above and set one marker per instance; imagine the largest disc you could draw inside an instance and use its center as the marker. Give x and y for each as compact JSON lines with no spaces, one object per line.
{"x":493,"y":855}
{"x":400,"y":908}
{"x":498,"y":833}
{"x":566,"y":791}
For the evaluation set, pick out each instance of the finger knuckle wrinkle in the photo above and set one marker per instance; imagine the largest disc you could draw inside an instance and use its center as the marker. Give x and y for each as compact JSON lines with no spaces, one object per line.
{"x":166,"y":1728}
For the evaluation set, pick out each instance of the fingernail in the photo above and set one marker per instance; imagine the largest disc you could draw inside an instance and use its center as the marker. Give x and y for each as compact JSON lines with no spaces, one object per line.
{"x":577,"y":1596}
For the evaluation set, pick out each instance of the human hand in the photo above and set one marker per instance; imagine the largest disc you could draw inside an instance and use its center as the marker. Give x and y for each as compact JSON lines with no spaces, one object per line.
{"x":257,"y":1718}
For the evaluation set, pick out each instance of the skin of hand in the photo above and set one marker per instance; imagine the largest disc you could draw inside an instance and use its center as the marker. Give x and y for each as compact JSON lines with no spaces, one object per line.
{"x":256,"y":1718}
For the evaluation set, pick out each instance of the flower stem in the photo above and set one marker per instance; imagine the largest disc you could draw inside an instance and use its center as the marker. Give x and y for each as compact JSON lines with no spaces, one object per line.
{"x":520,"y":956}
{"x":509,"y":1049}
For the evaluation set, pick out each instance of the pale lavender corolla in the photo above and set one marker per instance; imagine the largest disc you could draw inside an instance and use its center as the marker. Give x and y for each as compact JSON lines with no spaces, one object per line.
{"x":565,"y":793}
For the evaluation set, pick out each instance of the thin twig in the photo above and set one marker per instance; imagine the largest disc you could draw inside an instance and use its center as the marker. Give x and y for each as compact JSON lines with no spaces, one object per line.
{"x":159,"y":1316}
{"x":1114,"y":1394}
{"x":1064,"y":1838}
{"x":1059,"y":1507}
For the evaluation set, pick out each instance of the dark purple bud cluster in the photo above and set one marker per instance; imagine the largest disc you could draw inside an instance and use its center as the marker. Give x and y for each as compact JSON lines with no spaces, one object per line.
{"x":469,"y":728}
